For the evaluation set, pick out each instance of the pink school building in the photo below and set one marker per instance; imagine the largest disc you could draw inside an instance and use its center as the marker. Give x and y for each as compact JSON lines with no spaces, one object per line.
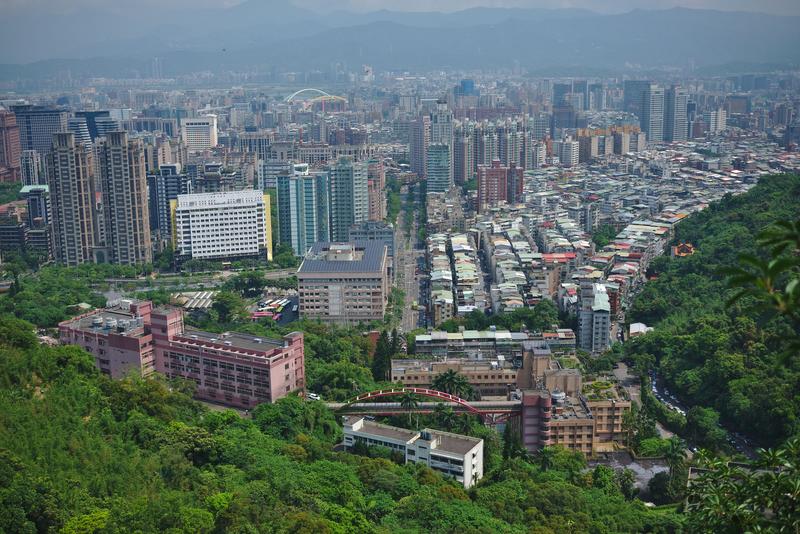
{"x":230,"y":368}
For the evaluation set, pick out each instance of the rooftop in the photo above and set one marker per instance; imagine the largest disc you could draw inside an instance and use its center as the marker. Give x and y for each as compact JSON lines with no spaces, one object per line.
{"x":355,"y":257}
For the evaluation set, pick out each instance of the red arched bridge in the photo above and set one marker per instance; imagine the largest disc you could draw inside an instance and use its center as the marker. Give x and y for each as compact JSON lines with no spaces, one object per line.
{"x":490,"y":411}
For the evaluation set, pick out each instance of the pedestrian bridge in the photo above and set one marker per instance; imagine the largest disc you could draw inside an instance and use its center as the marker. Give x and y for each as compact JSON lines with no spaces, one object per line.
{"x":491,"y":411}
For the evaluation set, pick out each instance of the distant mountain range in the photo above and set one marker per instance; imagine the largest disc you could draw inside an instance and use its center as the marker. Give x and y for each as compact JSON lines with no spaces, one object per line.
{"x":263,"y":34}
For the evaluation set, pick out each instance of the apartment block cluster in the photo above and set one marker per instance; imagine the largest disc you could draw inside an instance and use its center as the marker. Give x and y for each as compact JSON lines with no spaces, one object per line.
{"x":557,"y":406}
{"x":456,"y":278}
{"x":228,"y":368}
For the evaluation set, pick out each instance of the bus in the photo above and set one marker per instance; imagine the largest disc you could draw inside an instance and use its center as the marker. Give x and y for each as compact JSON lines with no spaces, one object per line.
{"x":255,"y":316}
{"x":277,"y":317}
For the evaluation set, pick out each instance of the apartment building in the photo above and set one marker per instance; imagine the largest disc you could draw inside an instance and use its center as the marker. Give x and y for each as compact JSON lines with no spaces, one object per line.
{"x":344,"y":283}
{"x":460,"y":457}
{"x":233,"y":369}
{"x":199,"y":133}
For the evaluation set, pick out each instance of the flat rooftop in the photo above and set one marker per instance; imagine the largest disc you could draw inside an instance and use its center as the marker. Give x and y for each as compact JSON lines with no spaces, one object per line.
{"x":236,"y":339}
{"x":386,"y":431}
{"x":367,"y":258}
{"x":453,"y":443}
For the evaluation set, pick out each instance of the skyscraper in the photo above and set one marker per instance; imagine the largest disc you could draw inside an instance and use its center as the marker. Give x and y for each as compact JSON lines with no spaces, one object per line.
{"x":78,"y":126}
{"x":302,"y":208}
{"x":652,"y":117}
{"x":440,"y":170}
{"x":163,"y":187}
{"x":126,"y":210}
{"x":716,"y":120}
{"x":9,"y":147}
{"x":676,"y":124}
{"x":70,"y":177}
{"x":98,"y":122}
{"x":37,"y":124}
{"x":419,"y":139}
{"x":348,"y":196}
{"x":492,"y":185}
{"x":633,"y":95}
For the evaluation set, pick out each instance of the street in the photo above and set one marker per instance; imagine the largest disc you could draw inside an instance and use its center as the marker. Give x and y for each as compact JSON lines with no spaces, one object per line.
{"x":406,"y":257}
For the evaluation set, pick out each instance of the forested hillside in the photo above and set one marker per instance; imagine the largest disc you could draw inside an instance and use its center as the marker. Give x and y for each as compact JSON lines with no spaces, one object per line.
{"x":734,"y":359}
{"x":82,"y":453}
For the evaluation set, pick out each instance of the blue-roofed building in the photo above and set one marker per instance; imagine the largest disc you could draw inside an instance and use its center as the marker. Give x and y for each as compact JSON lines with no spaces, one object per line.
{"x":344,"y":283}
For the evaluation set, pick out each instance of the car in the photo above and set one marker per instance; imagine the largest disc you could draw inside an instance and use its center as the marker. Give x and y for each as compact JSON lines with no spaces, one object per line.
{"x":313,"y":397}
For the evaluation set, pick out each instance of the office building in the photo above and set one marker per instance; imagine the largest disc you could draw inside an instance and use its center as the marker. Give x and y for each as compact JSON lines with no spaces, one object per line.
{"x":227,"y":225}
{"x":454,"y":455}
{"x":633,"y":96}
{"x":344,"y":283}
{"x":96,"y":122}
{"x":10,"y":149}
{"x":440,"y":172}
{"x":32,"y":168}
{"x":349,"y":196}
{"x":71,"y":181}
{"x":229,"y":368}
{"x":39,"y":222}
{"x":199,"y":133}
{"x":652,"y":117}
{"x":303,"y":210}
{"x":37,"y":124}
{"x":120,"y":161}
{"x":676,"y":124}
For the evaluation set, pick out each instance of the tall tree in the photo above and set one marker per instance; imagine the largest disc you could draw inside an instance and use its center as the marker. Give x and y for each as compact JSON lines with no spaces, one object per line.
{"x":382,"y":360}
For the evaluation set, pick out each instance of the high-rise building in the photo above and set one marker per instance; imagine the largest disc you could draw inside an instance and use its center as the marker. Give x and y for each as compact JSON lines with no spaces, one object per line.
{"x":568,"y":152}
{"x":652,"y":117}
{"x":676,"y":124}
{"x":419,"y":139}
{"x":716,"y":120}
{"x":349,"y":197}
{"x":303,"y":210}
{"x":10,"y":148}
{"x":78,"y":126}
{"x":123,"y":182}
{"x":376,"y":183}
{"x":98,"y":122}
{"x":597,"y":97}
{"x":463,"y":155}
{"x":440,"y":172}
{"x":37,"y":124}
{"x":560,"y":92}
{"x":199,"y":133}
{"x":32,"y":168}
{"x":222,"y":225}
{"x":492,"y":185}
{"x":70,"y":177}
{"x":633,"y":95}
{"x":164,"y":187}
{"x":594,"y":318}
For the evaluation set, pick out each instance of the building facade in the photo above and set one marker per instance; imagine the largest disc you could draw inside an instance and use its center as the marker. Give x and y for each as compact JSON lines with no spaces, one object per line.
{"x":349,"y":196}
{"x":460,"y":457}
{"x":238,"y":370}
{"x":71,"y":181}
{"x":344,"y":283}
{"x":10,"y":148}
{"x":37,"y":124}
{"x":199,"y":133}
{"x":222,"y":225}
{"x":126,"y":208}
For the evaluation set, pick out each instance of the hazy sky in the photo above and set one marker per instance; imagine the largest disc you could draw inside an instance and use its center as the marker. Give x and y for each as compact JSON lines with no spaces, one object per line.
{"x":608,"y":6}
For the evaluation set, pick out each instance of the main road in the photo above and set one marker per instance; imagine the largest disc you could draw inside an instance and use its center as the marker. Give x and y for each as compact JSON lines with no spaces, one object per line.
{"x":406,"y":257}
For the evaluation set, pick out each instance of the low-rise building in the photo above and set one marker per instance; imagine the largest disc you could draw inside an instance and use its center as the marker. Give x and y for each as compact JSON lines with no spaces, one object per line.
{"x":229,"y":368}
{"x":455,"y":455}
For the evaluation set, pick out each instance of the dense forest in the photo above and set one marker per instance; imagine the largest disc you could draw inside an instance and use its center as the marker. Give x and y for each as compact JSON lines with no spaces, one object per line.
{"x":732,"y":359}
{"x":82,"y":453}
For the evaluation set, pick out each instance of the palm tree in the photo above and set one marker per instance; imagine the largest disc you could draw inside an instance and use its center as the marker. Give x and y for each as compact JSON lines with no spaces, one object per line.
{"x":445,"y":416}
{"x":675,"y":454}
{"x":408,"y":402}
{"x":546,"y":458}
{"x":453,"y":383}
